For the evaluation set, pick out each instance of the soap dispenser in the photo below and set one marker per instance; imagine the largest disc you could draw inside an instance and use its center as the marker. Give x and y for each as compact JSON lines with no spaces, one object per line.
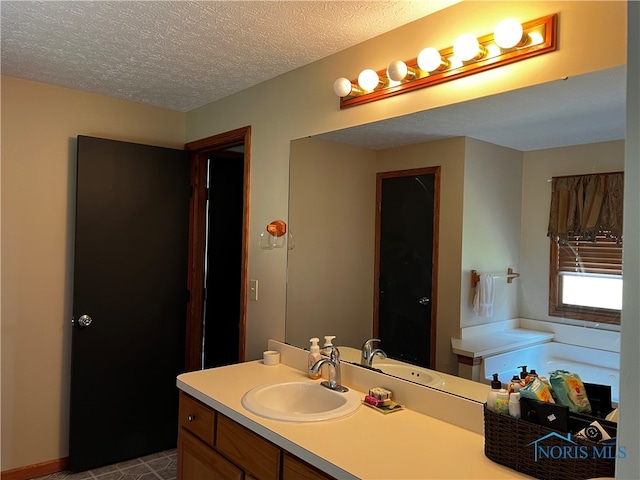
{"x":496,"y":386}
{"x":328,"y":341}
{"x":523,"y":375}
{"x":314,"y":356}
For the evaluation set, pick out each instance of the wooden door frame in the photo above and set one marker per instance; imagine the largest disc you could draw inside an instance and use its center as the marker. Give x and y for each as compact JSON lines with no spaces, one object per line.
{"x":200,"y":149}
{"x":435,"y":171}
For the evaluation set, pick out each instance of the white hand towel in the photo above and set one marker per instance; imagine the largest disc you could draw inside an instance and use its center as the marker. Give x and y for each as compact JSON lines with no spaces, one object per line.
{"x":483,"y":298}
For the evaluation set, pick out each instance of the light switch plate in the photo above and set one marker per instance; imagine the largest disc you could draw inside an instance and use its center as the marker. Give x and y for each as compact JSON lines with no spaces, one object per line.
{"x":253,"y":289}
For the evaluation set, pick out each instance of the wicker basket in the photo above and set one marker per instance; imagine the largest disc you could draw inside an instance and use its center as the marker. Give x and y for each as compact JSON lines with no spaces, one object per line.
{"x":513,"y":442}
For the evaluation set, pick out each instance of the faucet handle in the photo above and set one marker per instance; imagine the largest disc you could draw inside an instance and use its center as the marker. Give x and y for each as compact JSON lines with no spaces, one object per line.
{"x":367,"y":344}
{"x":334,"y":353}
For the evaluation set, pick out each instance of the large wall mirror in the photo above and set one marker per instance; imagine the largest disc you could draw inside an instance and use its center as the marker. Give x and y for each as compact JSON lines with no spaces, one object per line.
{"x":495,"y":155}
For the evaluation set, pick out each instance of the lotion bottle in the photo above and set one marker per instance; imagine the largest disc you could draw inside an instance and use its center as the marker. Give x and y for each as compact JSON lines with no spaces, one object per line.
{"x":514,"y":405}
{"x":496,"y":386}
{"x":314,"y":356}
{"x":502,"y":402}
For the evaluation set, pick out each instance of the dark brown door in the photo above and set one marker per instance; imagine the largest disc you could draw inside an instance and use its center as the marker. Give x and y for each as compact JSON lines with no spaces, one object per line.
{"x":406,"y":246}
{"x":129,"y":300}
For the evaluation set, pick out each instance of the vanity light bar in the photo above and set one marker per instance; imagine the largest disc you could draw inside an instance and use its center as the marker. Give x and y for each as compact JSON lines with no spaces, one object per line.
{"x":538,"y":37}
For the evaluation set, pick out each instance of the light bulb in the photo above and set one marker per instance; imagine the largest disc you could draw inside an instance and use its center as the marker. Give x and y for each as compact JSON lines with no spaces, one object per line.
{"x":342,"y":87}
{"x":368,"y":79}
{"x":429,"y":60}
{"x":397,"y":70}
{"x":508,"y":33}
{"x":466,"y":47}
{"x":536,"y":38}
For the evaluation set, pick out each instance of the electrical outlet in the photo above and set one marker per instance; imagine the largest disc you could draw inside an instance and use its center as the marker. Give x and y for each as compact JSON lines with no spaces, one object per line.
{"x":253,"y":289}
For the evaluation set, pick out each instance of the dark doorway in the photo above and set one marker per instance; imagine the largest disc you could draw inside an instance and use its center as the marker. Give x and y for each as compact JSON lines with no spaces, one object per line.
{"x":129,"y":300}
{"x":218,"y":249}
{"x":223,"y":263}
{"x":406,"y":266}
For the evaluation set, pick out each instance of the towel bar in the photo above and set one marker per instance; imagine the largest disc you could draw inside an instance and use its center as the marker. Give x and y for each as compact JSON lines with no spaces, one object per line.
{"x":475,"y":276}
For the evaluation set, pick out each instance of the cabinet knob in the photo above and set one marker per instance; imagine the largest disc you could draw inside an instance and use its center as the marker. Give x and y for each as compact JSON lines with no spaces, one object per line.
{"x":191,"y":417}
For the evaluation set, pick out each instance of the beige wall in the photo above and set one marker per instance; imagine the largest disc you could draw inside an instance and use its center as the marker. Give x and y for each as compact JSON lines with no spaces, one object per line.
{"x":332,"y":217}
{"x":302,"y":103}
{"x":491,"y":226}
{"x":39,"y":123}
{"x":539,"y":167}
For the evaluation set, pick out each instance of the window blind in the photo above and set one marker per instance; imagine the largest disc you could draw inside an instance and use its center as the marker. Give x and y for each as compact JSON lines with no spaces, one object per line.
{"x":602,"y":257}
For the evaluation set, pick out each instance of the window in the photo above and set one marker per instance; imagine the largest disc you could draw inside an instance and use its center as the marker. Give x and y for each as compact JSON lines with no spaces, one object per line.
{"x":585,"y":228}
{"x":586,"y":279}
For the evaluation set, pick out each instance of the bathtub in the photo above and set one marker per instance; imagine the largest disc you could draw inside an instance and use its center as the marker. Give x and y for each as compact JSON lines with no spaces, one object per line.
{"x":592,"y":365}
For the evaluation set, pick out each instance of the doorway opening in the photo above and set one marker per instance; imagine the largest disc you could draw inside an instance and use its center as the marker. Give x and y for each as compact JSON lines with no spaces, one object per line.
{"x":218,"y":250}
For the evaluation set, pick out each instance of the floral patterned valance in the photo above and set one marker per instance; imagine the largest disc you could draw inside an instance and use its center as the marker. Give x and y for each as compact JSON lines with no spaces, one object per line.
{"x":585,"y":206}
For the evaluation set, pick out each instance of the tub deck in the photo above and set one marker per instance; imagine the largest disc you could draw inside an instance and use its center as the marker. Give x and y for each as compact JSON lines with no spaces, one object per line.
{"x":592,"y":365}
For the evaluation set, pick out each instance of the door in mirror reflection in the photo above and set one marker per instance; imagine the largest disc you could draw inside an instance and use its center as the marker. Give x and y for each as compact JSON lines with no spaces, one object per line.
{"x":406,"y":243}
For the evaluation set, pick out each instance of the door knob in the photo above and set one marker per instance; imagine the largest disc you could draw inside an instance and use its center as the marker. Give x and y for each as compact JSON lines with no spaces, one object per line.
{"x":85,"y":321}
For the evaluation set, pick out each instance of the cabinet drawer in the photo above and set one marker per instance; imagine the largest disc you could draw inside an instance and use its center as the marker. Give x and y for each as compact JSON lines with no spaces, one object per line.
{"x":196,"y":417}
{"x":295,"y":469}
{"x":255,"y":455}
{"x":196,"y":461}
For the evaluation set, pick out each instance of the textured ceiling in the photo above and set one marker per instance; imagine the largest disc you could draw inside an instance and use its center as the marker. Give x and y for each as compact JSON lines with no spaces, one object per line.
{"x":182,"y":54}
{"x":585,"y":109}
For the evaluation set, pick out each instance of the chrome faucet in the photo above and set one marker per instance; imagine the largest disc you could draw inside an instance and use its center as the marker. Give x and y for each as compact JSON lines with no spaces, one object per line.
{"x":334,"y":364}
{"x":368,"y":352}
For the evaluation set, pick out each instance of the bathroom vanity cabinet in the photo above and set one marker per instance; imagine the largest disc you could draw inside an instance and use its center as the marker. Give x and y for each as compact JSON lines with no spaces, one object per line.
{"x":220,"y":439}
{"x":213,"y":446}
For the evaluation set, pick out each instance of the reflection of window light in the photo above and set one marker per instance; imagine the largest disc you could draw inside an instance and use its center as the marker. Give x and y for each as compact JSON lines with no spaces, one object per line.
{"x":592,"y":291}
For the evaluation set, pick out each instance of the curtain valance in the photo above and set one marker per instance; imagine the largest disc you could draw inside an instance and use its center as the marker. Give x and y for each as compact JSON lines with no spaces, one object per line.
{"x":585,"y":206}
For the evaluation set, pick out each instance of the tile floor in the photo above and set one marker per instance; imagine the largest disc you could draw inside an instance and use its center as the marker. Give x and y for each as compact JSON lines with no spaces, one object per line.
{"x":157,"y":466}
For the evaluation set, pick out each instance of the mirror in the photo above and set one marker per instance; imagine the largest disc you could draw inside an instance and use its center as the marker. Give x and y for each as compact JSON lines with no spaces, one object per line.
{"x":486,"y":147}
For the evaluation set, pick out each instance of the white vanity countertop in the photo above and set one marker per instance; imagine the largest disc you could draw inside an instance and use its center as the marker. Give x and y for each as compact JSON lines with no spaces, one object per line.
{"x":366,"y":445}
{"x":499,"y":342}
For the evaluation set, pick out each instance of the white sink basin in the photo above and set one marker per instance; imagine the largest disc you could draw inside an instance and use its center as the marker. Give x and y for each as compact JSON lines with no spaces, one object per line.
{"x":301,"y":401}
{"x":412,"y":373}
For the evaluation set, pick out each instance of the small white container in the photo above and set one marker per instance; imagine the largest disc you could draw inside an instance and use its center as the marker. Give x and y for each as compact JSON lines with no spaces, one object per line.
{"x":314,"y":356}
{"x":271,"y":357}
{"x":514,"y":405}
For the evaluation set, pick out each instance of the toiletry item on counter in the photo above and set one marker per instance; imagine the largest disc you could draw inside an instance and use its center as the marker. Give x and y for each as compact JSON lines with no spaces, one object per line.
{"x":514,"y":405}
{"x":594,"y":432}
{"x":537,"y":390}
{"x":380,"y":393}
{"x":523,"y":374}
{"x":532,"y":374}
{"x":502,"y":402}
{"x":599,"y":398}
{"x":496,"y":385}
{"x":328,"y":341}
{"x":314,"y":356}
{"x":376,"y":402}
{"x":613,"y":415}
{"x":570,"y":391}
{"x":386,"y":407}
{"x":514,"y":384}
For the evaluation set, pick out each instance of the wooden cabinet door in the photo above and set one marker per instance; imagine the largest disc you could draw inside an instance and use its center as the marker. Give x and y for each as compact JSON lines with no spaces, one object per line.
{"x":295,"y":469}
{"x":256,"y":455}
{"x":196,"y":461}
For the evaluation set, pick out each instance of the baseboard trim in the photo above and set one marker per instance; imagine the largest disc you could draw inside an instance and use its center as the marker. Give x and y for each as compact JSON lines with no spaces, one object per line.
{"x":36,"y":470}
